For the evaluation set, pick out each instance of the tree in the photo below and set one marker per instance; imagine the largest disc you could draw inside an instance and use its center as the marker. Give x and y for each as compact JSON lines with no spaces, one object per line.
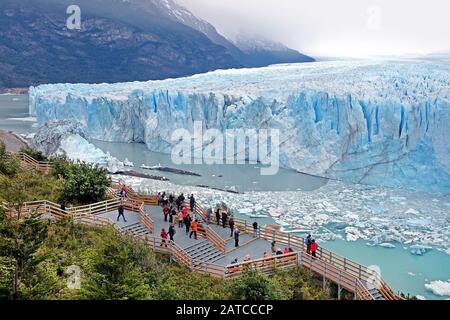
{"x":8,"y":165}
{"x":252,"y":285}
{"x":116,"y":275}
{"x":83,"y":183}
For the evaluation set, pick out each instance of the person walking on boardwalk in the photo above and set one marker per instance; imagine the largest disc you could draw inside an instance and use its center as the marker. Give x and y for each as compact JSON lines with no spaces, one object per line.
{"x":208,"y":215}
{"x":171,"y":231}
{"x":255,"y":229}
{"x":187,"y":223}
{"x":161,"y":199}
{"x":236,"y":238}
{"x":192,"y":202}
{"x":308,"y":244}
{"x":121,"y":212}
{"x":63,"y":207}
{"x":313,"y":247}
{"x":273,"y":246}
{"x":218,"y":216}
{"x":166,"y":211}
{"x":231,"y":223}
{"x":224,"y":219}
{"x":184,"y":210}
{"x":180,"y":219}
{"x":194,"y":228}
{"x":171,"y":198}
{"x":163,"y":237}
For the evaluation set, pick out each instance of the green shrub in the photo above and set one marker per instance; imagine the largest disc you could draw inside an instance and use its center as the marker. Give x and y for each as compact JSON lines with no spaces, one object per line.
{"x":252,"y":285}
{"x":8,"y":165}
{"x":83,"y":183}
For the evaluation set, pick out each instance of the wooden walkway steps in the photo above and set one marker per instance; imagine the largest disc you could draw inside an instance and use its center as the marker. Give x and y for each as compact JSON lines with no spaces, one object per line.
{"x":203,"y":255}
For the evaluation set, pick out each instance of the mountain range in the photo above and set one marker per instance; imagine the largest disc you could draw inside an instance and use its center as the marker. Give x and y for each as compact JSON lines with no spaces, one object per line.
{"x":119,"y":40}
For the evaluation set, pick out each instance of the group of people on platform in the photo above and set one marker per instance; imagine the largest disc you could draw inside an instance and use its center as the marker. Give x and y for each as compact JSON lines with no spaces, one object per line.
{"x":224,"y":218}
{"x":176,"y":213}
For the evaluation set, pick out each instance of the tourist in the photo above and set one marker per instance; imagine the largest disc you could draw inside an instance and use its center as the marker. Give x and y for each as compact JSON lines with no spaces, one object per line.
{"x":180,"y":201}
{"x":224,"y":219}
{"x":184,"y":210}
{"x":171,"y":198}
{"x":236,"y":238}
{"x":121,"y":212}
{"x":180,"y":219}
{"x":187,"y":223}
{"x":308,"y":244}
{"x":247,"y":257}
{"x":218,"y":216}
{"x":163,"y":195}
{"x":208,"y":215}
{"x":163,"y":237}
{"x":63,"y":207}
{"x":234,"y":261}
{"x":279,"y":251}
{"x":266,"y":255}
{"x":255,"y":229}
{"x":166,"y":211}
{"x":192,"y":202}
{"x":171,"y":231}
{"x":290,"y":250}
{"x":313,"y":247}
{"x":231,"y":223}
{"x":194,"y":228}
{"x":286,"y":251}
{"x":124,"y":191}
{"x":158,"y":198}
{"x":273,"y":248}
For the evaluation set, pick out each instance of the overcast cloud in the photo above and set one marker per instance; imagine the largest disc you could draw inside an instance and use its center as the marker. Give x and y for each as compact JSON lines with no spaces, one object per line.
{"x":335,"y":27}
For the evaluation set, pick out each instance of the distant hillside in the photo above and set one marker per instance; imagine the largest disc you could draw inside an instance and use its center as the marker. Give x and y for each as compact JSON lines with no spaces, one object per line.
{"x":120,"y":40}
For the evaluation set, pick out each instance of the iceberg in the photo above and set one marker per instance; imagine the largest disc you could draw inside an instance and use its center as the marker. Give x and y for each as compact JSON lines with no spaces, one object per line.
{"x":439,"y":288}
{"x":372,"y":122}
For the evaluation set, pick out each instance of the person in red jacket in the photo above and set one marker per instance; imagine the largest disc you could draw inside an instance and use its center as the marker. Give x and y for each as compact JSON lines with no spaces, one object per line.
{"x":163,"y":237}
{"x":166,"y":212}
{"x":194,"y":229}
{"x":184,"y":210}
{"x":314,"y":247}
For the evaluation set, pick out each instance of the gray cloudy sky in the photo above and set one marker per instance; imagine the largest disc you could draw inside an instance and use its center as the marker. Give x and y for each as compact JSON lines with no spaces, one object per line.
{"x":335,"y":27}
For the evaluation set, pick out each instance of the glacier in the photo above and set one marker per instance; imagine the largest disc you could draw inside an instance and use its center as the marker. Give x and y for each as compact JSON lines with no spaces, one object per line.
{"x":375,"y":122}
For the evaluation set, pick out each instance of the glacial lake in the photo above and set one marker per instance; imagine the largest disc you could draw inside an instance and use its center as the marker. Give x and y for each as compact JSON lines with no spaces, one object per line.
{"x":402,"y":270}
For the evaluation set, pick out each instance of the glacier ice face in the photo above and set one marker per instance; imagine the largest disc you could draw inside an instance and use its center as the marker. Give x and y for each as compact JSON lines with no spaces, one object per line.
{"x":372,"y":122}
{"x":67,"y":137}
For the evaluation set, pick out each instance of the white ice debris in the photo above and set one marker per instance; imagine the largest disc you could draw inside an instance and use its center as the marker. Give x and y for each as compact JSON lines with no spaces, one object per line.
{"x":439,"y":288}
{"x":352,"y":221}
{"x":128,"y":163}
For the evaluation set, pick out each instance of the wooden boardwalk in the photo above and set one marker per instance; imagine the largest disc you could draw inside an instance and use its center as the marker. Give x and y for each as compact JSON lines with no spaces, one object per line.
{"x":213,"y":251}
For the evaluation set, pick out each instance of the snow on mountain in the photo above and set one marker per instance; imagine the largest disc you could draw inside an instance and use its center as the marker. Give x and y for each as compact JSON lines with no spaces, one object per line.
{"x":373,"y":122}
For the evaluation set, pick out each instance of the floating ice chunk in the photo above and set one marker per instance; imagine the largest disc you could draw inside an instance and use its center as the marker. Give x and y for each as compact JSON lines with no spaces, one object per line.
{"x":447,"y":251}
{"x":419,"y":249}
{"x":143,"y":166}
{"x":128,"y":163}
{"x":25,"y":119}
{"x":412,"y":211}
{"x":387,"y":245}
{"x":419,"y":297}
{"x":439,"y":288}
{"x":352,"y":234}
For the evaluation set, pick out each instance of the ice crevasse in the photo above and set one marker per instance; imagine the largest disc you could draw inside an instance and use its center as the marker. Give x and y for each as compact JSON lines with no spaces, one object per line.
{"x":374,"y":122}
